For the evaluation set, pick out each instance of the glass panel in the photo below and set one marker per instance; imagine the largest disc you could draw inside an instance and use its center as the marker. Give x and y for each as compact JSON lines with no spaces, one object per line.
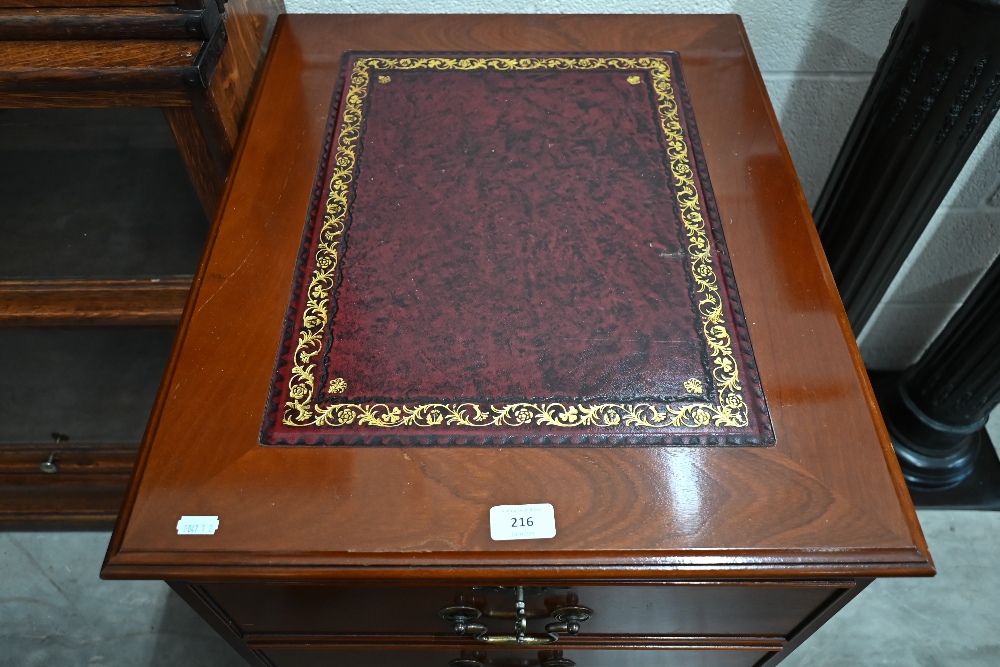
{"x":95,"y":194}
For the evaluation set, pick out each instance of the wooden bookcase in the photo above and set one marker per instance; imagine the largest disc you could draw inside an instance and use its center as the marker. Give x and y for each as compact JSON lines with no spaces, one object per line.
{"x":109,"y":113}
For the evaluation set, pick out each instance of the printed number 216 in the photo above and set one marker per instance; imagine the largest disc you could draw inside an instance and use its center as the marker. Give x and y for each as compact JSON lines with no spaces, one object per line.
{"x":521,"y":522}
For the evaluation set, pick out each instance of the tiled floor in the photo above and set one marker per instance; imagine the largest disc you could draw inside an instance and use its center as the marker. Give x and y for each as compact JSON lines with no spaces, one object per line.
{"x":54,"y":611}
{"x":952,"y":620}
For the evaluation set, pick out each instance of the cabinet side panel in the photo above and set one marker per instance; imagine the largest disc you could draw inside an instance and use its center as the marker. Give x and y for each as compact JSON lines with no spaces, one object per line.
{"x":219,"y":622}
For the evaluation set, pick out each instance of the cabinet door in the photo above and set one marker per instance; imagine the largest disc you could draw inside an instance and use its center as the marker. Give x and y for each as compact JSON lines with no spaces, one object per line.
{"x":99,"y":228}
{"x":408,"y":657}
{"x":667,"y":610}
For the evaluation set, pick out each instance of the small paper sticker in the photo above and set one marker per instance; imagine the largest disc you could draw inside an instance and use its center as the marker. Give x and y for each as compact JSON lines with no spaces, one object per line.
{"x":522,"y":522}
{"x":198,"y":525}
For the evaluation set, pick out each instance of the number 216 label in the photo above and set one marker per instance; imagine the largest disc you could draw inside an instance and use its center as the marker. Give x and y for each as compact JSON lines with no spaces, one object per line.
{"x":522,"y":522}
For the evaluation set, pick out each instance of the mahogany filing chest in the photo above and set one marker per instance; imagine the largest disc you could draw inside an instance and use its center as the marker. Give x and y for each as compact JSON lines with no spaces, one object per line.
{"x":381,"y":554}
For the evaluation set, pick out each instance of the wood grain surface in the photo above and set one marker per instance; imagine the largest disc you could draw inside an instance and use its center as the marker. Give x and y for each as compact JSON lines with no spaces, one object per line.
{"x":65,"y":65}
{"x":92,"y":302}
{"x":826,"y":501}
{"x":407,"y":656}
{"x":31,"y":55}
{"x":89,"y":99}
{"x":207,"y":130}
{"x":200,"y":154}
{"x":222,"y":108}
{"x":674,"y":612}
{"x":107,"y":23}
{"x":86,"y":490}
{"x":75,"y":4}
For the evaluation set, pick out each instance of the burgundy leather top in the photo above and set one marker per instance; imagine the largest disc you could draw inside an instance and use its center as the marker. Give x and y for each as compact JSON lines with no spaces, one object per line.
{"x":517,"y":249}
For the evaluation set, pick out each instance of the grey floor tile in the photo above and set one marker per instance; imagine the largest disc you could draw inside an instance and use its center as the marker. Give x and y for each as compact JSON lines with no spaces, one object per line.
{"x":55,"y":611}
{"x":947,"y":621}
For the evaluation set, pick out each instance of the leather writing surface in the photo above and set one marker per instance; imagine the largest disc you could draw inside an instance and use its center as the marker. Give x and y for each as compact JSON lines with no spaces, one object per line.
{"x":514,"y":250}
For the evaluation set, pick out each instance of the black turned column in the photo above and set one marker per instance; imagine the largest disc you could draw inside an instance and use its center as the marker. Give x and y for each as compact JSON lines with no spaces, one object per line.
{"x":936,"y":410}
{"x":933,"y":95}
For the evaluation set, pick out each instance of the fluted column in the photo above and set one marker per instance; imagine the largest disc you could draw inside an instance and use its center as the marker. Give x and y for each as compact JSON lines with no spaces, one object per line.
{"x":936,"y":89}
{"x":939,"y":407}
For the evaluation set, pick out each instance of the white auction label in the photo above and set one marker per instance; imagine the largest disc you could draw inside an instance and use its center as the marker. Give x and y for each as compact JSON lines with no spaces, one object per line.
{"x":522,"y":522}
{"x":198,"y":525}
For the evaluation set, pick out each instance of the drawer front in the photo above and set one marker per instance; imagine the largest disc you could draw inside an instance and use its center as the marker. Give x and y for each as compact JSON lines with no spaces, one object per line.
{"x":402,"y":657}
{"x":670,"y":609}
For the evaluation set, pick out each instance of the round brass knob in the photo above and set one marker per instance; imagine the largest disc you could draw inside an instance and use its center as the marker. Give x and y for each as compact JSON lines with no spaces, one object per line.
{"x":459,"y":613}
{"x":49,"y":466}
{"x":578,"y":614}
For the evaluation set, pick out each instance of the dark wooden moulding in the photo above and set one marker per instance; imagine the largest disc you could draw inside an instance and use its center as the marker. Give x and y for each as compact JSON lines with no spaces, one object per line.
{"x":347,"y":555}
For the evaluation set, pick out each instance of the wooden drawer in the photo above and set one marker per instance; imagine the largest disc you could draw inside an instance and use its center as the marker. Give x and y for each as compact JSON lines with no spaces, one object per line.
{"x":410,"y":657}
{"x":669,"y":609}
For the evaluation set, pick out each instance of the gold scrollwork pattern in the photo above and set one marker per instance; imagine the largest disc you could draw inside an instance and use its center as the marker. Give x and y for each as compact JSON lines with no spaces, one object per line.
{"x":302,"y":409}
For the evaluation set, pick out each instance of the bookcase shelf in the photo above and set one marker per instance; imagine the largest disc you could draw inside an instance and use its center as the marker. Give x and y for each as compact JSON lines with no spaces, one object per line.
{"x":157,"y":301}
{"x":100,"y":233}
{"x":76,"y":399}
{"x":118,"y":123}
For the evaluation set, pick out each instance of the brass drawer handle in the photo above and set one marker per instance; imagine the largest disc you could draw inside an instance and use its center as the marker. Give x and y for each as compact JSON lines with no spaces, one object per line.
{"x":543,"y":662}
{"x":568,"y":622}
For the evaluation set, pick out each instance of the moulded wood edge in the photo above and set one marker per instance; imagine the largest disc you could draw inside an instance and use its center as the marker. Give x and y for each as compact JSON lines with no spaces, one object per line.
{"x":61,"y":501}
{"x":92,"y":302}
{"x":103,"y":23}
{"x":89,"y":99}
{"x":114,"y":546}
{"x":899,"y":484}
{"x":255,"y":566}
{"x":625,"y":642}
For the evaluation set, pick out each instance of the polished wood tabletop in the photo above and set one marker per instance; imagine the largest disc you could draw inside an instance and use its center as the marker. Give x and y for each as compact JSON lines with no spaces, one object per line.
{"x":827,"y":500}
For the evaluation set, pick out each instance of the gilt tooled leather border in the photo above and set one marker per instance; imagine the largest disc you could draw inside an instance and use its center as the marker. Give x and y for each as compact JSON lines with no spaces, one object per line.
{"x":726,"y":419}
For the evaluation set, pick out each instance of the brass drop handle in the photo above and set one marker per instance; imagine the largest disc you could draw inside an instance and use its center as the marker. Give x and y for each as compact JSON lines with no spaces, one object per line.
{"x":550,"y":662}
{"x":568,"y":622}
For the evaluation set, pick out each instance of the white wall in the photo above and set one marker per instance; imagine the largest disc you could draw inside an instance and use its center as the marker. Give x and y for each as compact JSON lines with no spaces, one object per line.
{"x":817,"y":57}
